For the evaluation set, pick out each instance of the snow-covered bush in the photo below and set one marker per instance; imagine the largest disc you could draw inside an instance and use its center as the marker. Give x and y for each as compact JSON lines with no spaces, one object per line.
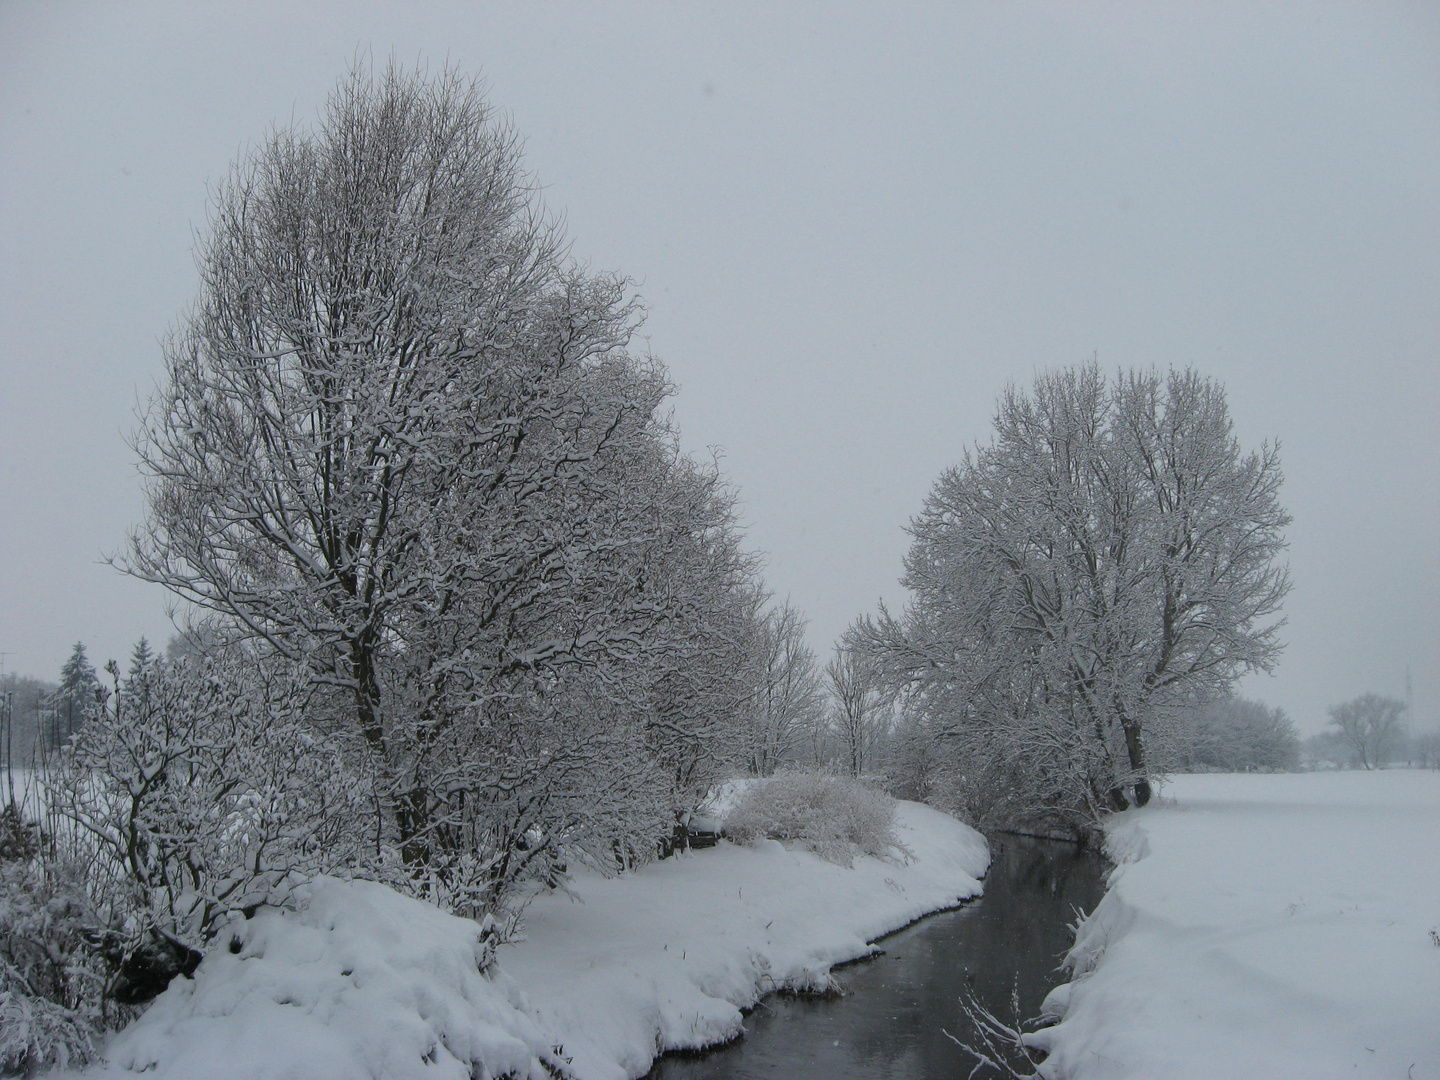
{"x":202,"y":795}
{"x":197,"y":793}
{"x":50,"y":977}
{"x":836,"y":817}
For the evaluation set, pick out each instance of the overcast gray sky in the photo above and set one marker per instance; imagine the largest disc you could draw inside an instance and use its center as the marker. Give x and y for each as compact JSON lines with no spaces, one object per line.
{"x":852,"y":225}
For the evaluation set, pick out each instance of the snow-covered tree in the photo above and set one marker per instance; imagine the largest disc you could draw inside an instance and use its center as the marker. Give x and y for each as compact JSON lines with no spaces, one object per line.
{"x":74,"y":696}
{"x":695,"y":693}
{"x":142,"y":659}
{"x":1325,"y":750}
{"x":858,"y":710}
{"x":403,"y":442}
{"x":1372,"y":727}
{"x":788,"y":705}
{"x":1111,"y":554}
{"x":27,"y":715}
{"x":1425,"y":749}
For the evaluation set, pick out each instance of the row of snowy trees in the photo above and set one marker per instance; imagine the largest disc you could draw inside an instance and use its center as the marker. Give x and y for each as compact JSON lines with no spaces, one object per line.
{"x":430,"y":502}
{"x":1236,"y":735}
{"x":405,"y":458}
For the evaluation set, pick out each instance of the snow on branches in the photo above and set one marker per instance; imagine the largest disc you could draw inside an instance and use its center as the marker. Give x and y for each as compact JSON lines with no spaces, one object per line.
{"x":404,"y":446}
{"x":1109,"y":556}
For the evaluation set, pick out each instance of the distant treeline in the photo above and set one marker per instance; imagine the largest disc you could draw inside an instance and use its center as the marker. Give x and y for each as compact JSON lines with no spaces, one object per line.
{"x":1237,"y":735}
{"x":38,"y":716}
{"x":1332,"y":750}
{"x":24,"y":716}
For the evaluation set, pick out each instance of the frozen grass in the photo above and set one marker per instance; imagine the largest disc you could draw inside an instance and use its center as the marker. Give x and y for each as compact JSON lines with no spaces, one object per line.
{"x":1275,"y":926}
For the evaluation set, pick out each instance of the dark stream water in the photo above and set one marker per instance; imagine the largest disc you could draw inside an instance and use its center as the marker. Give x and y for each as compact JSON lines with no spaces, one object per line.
{"x":889,"y":1025}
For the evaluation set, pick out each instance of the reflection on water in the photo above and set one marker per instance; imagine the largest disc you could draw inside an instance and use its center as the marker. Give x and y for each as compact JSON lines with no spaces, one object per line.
{"x":890,"y":1024}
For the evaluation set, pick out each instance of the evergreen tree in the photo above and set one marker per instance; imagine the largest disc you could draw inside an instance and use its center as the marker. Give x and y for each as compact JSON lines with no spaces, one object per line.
{"x":142,"y":657}
{"x":75,"y":695}
{"x":144,"y":665}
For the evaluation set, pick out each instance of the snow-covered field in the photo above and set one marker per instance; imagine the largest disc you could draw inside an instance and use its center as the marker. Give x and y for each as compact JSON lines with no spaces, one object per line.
{"x":1275,"y":927}
{"x":366,"y":983}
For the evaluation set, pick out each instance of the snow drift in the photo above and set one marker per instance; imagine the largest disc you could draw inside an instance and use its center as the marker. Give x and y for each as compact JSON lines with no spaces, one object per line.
{"x":361,"y":982}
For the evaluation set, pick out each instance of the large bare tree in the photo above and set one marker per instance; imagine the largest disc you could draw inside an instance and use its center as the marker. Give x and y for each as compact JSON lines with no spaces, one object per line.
{"x":1109,"y":555}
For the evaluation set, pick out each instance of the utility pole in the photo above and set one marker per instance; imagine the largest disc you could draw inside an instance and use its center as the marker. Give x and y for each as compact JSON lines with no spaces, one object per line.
{"x":7,"y":705}
{"x":7,"y":718}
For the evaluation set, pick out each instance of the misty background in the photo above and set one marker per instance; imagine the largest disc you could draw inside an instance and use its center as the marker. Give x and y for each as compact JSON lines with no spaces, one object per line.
{"x":852,"y":225}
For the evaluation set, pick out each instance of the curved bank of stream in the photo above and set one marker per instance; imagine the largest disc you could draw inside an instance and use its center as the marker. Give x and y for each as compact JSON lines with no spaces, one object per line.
{"x":892,"y":1022}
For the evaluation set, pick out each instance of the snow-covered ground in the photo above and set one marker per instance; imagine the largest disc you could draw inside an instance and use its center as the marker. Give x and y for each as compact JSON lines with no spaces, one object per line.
{"x":26,"y":790}
{"x":1274,"y":927}
{"x":366,"y":983}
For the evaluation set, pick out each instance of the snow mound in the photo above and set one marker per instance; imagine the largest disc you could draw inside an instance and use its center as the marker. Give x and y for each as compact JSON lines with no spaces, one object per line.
{"x":362,"y":982}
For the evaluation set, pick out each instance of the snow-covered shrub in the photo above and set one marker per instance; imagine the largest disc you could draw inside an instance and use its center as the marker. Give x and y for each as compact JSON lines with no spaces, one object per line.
{"x":836,"y":817}
{"x":19,"y":836}
{"x":204,"y":794}
{"x":50,"y":977}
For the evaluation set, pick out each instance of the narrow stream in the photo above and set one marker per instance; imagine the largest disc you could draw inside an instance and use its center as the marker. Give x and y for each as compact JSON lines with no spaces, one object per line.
{"x":890,"y":1023}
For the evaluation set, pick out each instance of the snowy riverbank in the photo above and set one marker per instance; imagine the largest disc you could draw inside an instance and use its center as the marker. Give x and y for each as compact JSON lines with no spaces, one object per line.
{"x":1277,"y":926}
{"x":367,"y":983}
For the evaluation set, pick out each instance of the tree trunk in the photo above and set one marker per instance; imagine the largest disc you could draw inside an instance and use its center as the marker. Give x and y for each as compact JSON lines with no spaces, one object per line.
{"x":367,"y":693}
{"x":1135,"y":745}
{"x":413,"y":814}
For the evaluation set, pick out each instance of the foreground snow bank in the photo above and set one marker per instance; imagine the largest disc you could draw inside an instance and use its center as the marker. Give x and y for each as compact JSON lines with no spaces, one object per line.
{"x":667,"y":957}
{"x":363,"y":982}
{"x":1263,"y":926}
